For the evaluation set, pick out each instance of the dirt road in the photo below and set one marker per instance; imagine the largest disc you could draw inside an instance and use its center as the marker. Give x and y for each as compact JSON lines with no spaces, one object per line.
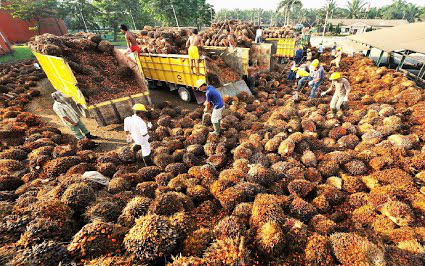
{"x":112,"y":136}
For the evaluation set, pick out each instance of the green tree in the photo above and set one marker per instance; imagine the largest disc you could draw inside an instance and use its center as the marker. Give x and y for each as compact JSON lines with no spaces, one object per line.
{"x":79,"y":14}
{"x":288,"y":7}
{"x":355,"y":8}
{"x":32,"y":10}
{"x":111,"y":14}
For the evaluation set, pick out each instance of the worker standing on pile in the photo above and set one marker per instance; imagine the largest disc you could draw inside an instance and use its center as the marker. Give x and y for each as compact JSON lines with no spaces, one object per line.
{"x":299,"y":55}
{"x":193,"y":43}
{"x":259,"y":35}
{"x":317,"y":74}
{"x":70,"y":117}
{"x":334,"y":49}
{"x":320,"y":49}
{"x":213,"y":98}
{"x":130,"y":38}
{"x":300,"y":73}
{"x":136,"y":129}
{"x":342,"y":89}
{"x":338,"y":57}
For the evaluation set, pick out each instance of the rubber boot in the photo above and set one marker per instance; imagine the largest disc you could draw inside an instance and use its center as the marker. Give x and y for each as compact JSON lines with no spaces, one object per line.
{"x":217,"y":128}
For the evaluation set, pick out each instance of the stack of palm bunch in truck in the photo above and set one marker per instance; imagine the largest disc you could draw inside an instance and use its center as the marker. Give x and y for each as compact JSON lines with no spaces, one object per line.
{"x":163,"y":40}
{"x":279,"y":32}
{"x":92,"y":72}
{"x":242,"y":33}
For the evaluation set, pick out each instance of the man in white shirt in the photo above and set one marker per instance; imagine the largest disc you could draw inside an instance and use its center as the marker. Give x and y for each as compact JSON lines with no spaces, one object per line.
{"x":342,"y":89}
{"x":69,"y":116}
{"x":259,"y":35}
{"x":136,"y":129}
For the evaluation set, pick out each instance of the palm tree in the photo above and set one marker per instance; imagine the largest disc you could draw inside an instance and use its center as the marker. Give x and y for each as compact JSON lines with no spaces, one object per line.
{"x":287,"y":6}
{"x":330,"y":7}
{"x":355,"y":8}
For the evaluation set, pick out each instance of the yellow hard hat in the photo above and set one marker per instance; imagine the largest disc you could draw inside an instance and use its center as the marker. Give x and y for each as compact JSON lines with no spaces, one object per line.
{"x":139,"y":107}
{"x":302,"y":73}
{"x":338,"y":48}
{"x":295,"y":69}
{"x":335,"y":75}
{"x":199,"y":83}
{"x":315,"y":62}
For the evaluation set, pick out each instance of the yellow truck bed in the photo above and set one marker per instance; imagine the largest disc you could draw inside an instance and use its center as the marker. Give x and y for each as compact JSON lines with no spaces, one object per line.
{"x":285,"y":47}
{"x":170,"y":68}
{"x":109,"y":112}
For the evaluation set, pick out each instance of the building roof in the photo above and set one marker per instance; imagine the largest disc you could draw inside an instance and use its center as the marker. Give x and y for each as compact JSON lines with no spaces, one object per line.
{"x":369,"y":22}
{"x":404,"y":37}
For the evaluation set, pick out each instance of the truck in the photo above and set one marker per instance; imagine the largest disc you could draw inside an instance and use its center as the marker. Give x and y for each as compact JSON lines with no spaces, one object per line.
{"x":173,"y":71}
{"x":109,"y":112}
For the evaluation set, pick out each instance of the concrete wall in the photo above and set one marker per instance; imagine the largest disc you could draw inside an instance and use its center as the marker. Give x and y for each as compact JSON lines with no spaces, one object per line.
{"x":17,"y":30}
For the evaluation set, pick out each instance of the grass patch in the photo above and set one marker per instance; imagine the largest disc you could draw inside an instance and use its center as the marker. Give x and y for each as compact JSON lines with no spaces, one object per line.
{"x":119,"y":43}
{"x":20,"y":53}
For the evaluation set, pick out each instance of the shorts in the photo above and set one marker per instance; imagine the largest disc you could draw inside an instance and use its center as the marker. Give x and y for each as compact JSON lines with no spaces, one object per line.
{"x":216,"y":115}
{"x":135,"y":48}
{"x":193,"y":52}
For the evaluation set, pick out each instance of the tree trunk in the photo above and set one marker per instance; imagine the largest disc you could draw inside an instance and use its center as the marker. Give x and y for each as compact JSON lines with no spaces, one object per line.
{"x":38,"y":26}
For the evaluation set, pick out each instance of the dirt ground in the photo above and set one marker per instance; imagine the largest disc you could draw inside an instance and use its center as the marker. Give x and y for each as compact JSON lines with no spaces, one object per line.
{"x":111,"y":137}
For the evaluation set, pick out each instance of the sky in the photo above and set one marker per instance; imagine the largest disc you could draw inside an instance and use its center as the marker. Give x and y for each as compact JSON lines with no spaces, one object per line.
{"x":272,"y":4}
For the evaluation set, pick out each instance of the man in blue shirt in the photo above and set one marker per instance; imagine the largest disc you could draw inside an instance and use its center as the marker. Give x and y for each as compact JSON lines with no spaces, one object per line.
{"x":213,"y":98}
{"x":317,"y":75}
{"x":299,"y":55}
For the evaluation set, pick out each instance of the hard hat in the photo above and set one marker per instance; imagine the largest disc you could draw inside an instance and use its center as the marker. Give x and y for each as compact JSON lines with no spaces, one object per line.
{"x":199,"y":83}
{"x":315,"y":62}
{"x":301,"y":47}
{"x":139,"y":107}
{"x":309,"y":49}
{"x":338,"y":48}
{"x":295,"y":69}
{"x":302,"y":73}
{"x":335,"y":75}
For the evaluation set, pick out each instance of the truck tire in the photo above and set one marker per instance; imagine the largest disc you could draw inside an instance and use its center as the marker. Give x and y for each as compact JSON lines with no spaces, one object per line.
{"x":185,"y":94}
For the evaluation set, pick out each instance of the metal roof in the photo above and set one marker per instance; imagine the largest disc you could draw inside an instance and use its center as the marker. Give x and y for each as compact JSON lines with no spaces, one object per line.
{"x":370,"y":22}
{"x":404,"y":37}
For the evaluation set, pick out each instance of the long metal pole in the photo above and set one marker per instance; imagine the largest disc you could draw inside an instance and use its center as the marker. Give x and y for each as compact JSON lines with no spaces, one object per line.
{"x":326,"y":22}
{"x":175,"y":16}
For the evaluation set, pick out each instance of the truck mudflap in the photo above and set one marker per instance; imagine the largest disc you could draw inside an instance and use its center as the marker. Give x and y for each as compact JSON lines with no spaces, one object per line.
{"x":229,"y":89}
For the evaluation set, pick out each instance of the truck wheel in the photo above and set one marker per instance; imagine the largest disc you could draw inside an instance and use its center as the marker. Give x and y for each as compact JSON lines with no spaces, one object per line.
{"x":185,"y":94}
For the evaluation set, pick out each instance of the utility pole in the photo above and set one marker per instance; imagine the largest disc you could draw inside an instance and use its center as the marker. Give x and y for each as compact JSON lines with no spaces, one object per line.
{"x":84,"y":21}
{"x":326,"y":23}
{"x":175,"y":16}
{"x":132,"y":19}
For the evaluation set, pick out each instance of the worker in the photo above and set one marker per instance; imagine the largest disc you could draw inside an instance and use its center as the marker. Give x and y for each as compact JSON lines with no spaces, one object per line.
{"x":69,"y":116}
{"x":136,"y":130}
{"x":342,"y":89}
{"x":213,"y":98}
{"x":130,"y":38}
{"x":299,"y":55}
{"x":338,"y":57}
{"x":320,"y":49}
{"x":309,"y":54}
{"x":334,"y":49}
{"x":317,"y":74}
{"x":300,"y":73}
{"x":193,"y":43}
{"x":292,"y":73}
{"x":259,"y":35}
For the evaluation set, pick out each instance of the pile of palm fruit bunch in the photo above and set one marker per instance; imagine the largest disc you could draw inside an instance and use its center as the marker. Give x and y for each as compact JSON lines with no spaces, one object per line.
{"x":17,"y":82}
{"x":163,"y":40}
{"x":279,"y":32}
{"x":94,"y":65}
{"x":286,"y":183}
{"x":243,"y":33}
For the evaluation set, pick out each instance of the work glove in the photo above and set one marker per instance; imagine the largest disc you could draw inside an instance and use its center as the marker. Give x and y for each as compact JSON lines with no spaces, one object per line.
{"x":149,"y":125}
{"x":310,"y":83}
{"x":345,"y":98}
{"x":129,"y":139}
{"x":323,"y":93}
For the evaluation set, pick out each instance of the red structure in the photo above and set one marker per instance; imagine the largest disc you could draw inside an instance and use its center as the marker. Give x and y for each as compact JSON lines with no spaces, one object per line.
{"x":5,"y":47}
{"x":17,"y":30}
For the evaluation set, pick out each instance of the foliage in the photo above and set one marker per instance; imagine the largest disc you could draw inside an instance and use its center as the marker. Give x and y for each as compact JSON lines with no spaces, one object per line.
{"x":79,"y":14}
{"x":356,"y":8}
{"x":32,"y":9}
